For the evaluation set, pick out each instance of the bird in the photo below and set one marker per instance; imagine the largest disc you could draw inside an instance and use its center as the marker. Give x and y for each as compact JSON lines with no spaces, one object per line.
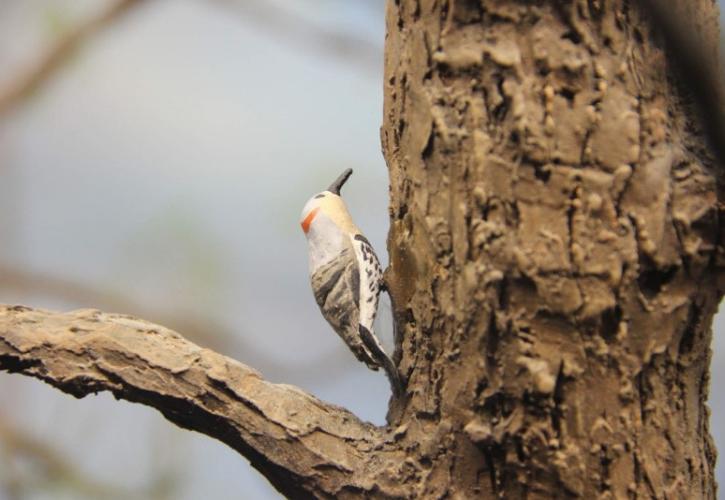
{"x":346,"y":276}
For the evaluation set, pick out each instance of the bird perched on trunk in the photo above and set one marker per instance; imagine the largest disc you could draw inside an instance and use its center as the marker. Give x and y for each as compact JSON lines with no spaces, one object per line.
{"x":346,"y":276}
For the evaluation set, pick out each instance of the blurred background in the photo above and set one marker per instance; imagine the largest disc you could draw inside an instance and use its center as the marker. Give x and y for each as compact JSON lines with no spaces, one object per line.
{"x":154,"y":159}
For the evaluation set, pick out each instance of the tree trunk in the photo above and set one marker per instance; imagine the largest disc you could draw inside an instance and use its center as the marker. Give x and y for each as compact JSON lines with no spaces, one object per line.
{"x":553,"y":251}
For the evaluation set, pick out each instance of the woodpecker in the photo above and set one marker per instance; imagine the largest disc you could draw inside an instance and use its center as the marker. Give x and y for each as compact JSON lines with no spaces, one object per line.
{"x":346,"y":276}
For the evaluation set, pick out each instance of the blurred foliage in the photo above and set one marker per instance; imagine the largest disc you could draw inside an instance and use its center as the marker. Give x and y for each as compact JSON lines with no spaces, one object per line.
{"x":56,"y":21}
{"x":175,"y":246}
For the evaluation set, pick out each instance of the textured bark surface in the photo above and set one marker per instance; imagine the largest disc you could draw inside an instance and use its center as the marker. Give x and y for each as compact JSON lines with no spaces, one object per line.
{"x":556,"y":261}
{"x":303,"y":446}
{"x":554,"y":251}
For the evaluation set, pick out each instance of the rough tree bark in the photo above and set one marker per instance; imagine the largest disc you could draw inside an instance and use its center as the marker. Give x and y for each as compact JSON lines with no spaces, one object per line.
{"x":302,"y":445}
{"x":555,"y":251}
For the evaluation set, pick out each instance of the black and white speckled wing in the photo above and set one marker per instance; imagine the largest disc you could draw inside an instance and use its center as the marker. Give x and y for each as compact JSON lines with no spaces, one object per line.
{"x":371,"y":279}
{"x":371,"y":283}
{"x":336,"y":286}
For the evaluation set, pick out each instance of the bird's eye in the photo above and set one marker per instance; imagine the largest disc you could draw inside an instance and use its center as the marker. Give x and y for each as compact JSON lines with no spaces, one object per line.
{"x":320,"y":196}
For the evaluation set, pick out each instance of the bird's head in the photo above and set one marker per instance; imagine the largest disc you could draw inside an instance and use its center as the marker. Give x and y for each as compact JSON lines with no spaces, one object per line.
{"x":327,"y":207}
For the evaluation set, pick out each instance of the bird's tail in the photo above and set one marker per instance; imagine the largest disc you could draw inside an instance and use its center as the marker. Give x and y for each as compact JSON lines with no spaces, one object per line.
{"x":379,"y":354}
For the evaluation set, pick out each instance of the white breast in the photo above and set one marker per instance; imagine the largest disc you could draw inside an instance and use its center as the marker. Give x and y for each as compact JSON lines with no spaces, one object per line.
{"x":324,"y":242}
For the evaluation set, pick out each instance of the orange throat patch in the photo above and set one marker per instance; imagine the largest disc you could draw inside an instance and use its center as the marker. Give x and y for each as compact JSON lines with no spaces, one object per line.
{"x":308,"y":220}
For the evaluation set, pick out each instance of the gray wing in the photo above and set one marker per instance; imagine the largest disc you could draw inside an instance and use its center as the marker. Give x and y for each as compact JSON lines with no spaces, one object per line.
{"x":336,"y":286}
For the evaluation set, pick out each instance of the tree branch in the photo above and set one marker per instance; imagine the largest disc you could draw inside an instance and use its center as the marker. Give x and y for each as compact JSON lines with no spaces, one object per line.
{"x":364,"y":53}
{"x":25,"y":86}
{"x":202,"y":329}
{"x":303,"y":446}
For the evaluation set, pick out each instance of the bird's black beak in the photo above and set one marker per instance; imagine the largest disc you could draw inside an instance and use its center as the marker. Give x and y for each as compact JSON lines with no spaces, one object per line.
{"x":337,"y":185}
